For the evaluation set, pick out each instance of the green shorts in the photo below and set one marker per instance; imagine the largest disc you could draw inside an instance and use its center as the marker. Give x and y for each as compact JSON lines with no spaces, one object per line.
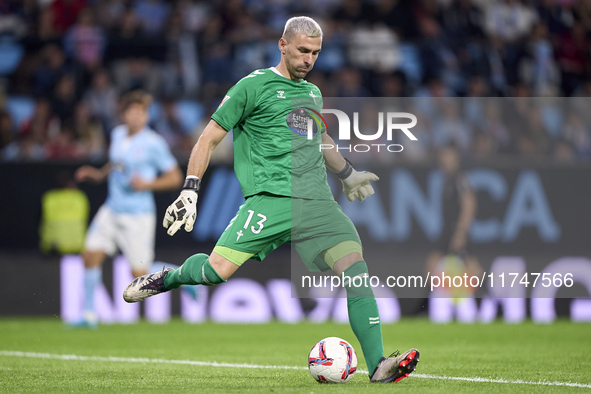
{"x":266,"y":221}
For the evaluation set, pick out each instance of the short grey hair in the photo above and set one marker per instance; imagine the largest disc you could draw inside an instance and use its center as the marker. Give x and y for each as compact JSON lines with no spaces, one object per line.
{"x":301,"y":24}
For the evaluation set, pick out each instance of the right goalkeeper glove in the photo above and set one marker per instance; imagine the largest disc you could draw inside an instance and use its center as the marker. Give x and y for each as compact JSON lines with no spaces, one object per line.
{"x":356,"y":184}
{"x":184,"y":209}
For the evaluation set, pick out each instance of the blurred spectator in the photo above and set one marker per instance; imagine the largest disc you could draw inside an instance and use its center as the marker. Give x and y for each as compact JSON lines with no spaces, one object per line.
{"x":101,"y":99}
{"x":109,"y":13}
{"x":434,"y":55}
{"x":393,"y":85}
{"x":152,"y":15}
{"x":53,"y":66}
{"x":7,"y":131}
{"x":35,"y":132}
{"x":349,"y":83}
{"x":421,"y":148}
{"x":459,"y":208}
{"x":582,"y":11}
{"x":462,"y":21}
{"x":62,"y":146}
{"x":477,"y":87}
{"x":65,"y":13}
{"x":249,"y":46}
{"x":510,"y":20}
{"x":563,"y":152}
{"x":572,"y":53}
{"x":539,"y":69}
{"x":196,"y":50}
{"x":434,"y":87}
{"x":231,"y":11}
{"x":85,"y":41}
{"x":584,"y":89}
{"x":41,"y":123}
{"x":397,"y":14}
{"x":182,"y":71}
{"x":64,"y":217}
{"x":90,"y":134}
{"x":10,"y":21}
{"x":351,"y":12}
{"x":373,"y":46}
{"x":45,"y":30}
{"x":497,"y":65}
{"x":451,"y":128}
{"x":484,"y":146}
{"x":577,"y":133}
{"x":129,"y":27}
{"x":64,"y":97}
{"x":320,"y":80}
{"x":137,"y":73}
{"x":195,"y":14}
{"x":495,"y":133}
{"x":552,"y":16}
{"x":217,"y":62}
{"x":170,"y":127}
{"x":535,"y":140}
{"x":333,"y":48}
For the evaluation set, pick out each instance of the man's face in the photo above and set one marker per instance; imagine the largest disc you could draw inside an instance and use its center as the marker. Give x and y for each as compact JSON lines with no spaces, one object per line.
{"x":449,"y":160}
{"x":300,"y":54}
{"x":136,"y":116}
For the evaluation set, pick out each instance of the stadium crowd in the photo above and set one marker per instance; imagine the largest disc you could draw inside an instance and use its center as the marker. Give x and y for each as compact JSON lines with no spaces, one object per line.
{"x":64,"y":64}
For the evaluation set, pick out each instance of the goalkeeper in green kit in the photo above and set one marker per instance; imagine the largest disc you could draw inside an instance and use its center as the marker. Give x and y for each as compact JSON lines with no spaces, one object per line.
{"x":283,"y":178}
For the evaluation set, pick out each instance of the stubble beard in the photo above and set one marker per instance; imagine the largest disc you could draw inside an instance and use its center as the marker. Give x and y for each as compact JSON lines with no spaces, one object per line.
{"x":293,"y":70}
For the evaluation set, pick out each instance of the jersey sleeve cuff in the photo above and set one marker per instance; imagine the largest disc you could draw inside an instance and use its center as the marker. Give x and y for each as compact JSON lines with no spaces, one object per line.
{"x":221,"y":122}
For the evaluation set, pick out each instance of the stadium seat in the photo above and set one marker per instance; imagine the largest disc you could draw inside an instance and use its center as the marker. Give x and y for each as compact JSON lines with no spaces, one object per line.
{"x":155,"y":111}
{"x":10,"y":55}
{"x":20,"y":108}
{"x":190,"y":114}
{"x":411,"y":65}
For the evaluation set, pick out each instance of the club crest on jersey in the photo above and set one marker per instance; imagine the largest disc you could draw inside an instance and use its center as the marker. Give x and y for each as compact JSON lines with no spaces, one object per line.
{"x":313,"y":97}
{"x":281,"y":94}
{"x":223,"y":101}
{"x":305,"y":121}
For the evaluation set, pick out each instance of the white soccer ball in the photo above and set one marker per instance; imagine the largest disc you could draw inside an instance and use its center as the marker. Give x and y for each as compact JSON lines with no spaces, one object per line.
{"x":332,"y":360}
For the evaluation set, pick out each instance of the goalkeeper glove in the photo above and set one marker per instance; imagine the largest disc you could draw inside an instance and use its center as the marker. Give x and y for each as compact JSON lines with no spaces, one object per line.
{"x":356,"y":183}
{"x":184,"y":209}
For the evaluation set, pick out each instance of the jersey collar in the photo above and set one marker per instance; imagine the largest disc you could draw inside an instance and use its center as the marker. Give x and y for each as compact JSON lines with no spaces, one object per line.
{"x":282,"y":76}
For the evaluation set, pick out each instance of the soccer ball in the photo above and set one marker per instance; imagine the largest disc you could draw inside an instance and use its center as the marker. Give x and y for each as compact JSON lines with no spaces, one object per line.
{"x":332,"y":360}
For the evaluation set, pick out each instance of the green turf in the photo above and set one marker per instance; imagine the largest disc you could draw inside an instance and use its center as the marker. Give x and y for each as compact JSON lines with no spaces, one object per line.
{"x":558,"y":352}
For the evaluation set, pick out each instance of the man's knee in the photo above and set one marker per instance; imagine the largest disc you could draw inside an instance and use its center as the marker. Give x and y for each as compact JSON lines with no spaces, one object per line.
{"x":137,"y":272}
{"x":93,"y":258}
{"x":343,"y":255}
{"x":224,"y":267}
{"x":345,"y":262}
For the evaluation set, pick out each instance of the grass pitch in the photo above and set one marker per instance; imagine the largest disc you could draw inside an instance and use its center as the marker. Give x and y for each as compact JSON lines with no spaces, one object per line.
{"x":136,"y":358}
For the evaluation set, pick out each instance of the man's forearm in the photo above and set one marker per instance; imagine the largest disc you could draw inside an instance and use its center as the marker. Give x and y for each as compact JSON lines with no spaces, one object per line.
{"x":103,"y":172}
{"x":168,"y":181}
{"x":332,"y":158}
{"x":199,"y":159}
{"x":203,"y":149}
{"x":467,"y":212}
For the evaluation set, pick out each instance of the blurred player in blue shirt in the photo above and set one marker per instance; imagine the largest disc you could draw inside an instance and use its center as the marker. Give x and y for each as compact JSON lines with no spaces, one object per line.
{"x":140,"y":163}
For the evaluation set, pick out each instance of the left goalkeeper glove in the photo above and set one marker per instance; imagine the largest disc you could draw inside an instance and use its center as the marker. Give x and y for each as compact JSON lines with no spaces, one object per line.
{"x":184,"y":209}
{"x":356,"y":183}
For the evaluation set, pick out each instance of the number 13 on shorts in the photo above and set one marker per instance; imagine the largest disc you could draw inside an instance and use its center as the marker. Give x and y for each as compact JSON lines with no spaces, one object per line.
{"x":257,"y":226}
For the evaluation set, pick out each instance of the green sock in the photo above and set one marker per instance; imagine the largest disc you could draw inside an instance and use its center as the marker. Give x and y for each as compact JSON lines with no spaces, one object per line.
{"x":364,"y":316}
{"x":196,"y":270}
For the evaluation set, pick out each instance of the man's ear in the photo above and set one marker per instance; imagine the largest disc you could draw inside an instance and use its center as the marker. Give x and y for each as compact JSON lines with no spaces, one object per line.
{"x":282,"y":44}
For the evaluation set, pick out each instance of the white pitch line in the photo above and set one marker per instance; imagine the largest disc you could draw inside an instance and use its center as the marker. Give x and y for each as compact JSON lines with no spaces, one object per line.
{"x":73,"y":357}
{"x":486,"y":380}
